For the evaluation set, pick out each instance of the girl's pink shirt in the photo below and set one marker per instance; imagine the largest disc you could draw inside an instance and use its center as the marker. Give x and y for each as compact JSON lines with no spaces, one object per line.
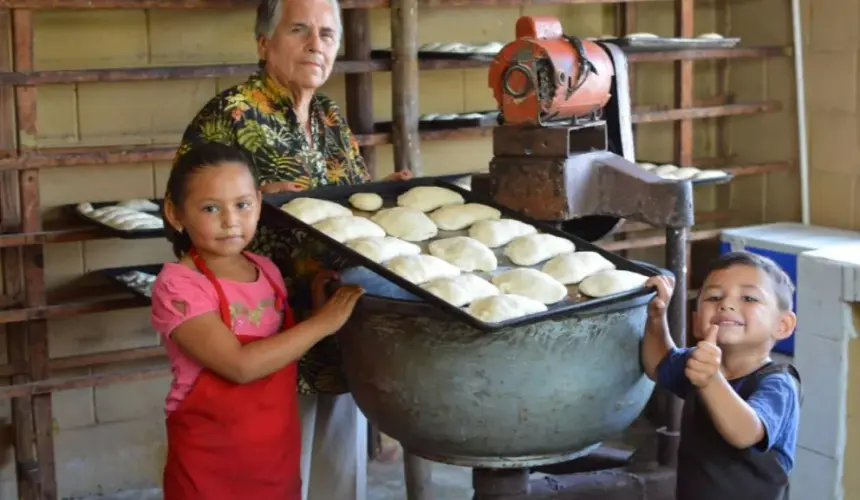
{"x":252,"y":309}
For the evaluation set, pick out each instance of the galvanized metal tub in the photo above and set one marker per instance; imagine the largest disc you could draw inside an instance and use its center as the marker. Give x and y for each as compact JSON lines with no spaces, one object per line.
{"x":518,"y":397}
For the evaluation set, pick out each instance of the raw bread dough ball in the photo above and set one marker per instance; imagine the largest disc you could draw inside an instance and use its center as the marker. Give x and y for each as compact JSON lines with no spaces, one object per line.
{"x":709,"y":174}
{"x":642,"y":36}
{"x":406,"y":223}
{"x":711,"y":36}
{"x":140,"y":205}
{"x":347,"y":228}
{"x":457,"y":217}
{"x":85,"y":207}
{"x":379,"y":249}
{"x":571,"y":268}
{"x":461,"y":290}
{"x":466,"y":253}
{"x":685,"y":173}
{"x":312,"y":210}
{"x":498,"y":308}
{"x":366,"y":202}
{"x":534,"y":248}
{"x":648,"y":166}
{"x":429,"y":198}
{"x":664,"y":170}
{"x":611,"y":282}
{"x":531,"y":283}
{"x":420,"y":269}
{"x":495,"y":233}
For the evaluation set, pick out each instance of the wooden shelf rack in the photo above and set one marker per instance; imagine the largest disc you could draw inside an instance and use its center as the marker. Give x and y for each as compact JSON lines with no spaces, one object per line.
{"x":24,"y":304}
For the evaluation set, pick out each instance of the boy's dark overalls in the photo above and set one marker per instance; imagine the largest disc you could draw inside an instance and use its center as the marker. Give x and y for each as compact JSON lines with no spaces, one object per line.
{"x":709,"y":468}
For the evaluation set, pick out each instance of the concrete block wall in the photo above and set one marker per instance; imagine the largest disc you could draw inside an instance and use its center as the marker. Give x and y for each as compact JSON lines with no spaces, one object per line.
{"x":111,"y":438}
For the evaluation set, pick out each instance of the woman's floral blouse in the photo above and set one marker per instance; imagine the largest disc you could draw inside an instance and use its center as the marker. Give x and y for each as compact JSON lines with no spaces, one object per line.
{"x":257,"y":117}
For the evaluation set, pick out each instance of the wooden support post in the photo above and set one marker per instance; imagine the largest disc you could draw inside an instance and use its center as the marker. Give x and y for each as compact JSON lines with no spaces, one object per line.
{"x":419,"y":477}
{"x":404,"y":82}
{"x":684,"y":18}
{"x":359,"y":86}
{"x":33,"y":258}
{"x":13,"y":280}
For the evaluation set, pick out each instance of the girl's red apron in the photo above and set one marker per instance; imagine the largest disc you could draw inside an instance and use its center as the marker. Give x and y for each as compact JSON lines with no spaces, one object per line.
{"x":230,"y":441}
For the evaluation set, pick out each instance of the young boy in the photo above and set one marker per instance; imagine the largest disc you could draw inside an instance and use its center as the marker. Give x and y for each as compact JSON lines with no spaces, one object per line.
{"x":739,"y":425}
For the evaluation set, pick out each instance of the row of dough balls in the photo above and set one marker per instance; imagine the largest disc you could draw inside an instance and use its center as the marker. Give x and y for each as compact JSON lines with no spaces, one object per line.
{"x":131,"y":215}
{"x":489,"y":48}
{"x":139,"y":281}
{"x":673,"y":172}
{"x":652,"y":36}
{"x":433,"y":117}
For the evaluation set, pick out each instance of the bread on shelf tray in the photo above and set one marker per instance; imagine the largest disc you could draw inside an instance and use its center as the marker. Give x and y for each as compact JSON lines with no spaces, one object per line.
{"x":122,"y":217}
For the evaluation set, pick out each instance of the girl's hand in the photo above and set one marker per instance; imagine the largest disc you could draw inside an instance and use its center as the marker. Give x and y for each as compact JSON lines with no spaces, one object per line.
{"x":665,"y":286}
{"x":319,"y":292}
{"x":339,"y":307}
{"x":403,"y":175}
{"x":281,"y":187}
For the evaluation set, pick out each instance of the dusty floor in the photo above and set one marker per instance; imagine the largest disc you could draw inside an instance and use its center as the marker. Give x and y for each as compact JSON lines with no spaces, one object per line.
{"x":384,"y":482}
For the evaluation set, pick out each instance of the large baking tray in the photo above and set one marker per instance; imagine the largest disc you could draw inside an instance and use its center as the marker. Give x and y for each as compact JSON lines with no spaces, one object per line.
{"x":389,"y":192}
{"x":433,"y":55}
{"x":114,"y":274}
{"x":119,"y":233}
{"x":633,"y":45}
{"x":490,"y":119}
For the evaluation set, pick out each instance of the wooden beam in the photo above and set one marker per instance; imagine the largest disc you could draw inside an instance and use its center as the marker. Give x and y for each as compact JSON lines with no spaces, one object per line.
{"x":359,"y":86}
{"x":404,"y":83}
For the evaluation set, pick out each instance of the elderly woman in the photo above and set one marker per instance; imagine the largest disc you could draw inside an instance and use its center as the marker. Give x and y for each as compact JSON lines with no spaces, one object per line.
{"x":297,"y":140}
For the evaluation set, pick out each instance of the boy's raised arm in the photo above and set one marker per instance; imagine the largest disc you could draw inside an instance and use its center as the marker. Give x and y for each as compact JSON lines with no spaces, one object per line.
{"x":657,"y":341}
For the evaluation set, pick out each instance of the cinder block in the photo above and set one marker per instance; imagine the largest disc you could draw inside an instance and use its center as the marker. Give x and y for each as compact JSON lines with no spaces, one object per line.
{"x":833,"y":24}
{"x":747,"y":79}
{"x":73,"y":408}
{"x":380,"y":28}
{"x":480,"y":25}
{"x":100,"y":39}
{"x":64,"y":263}
{"x":140,"y":112}
{"x":442,"y":92}
{"x":108,"y":458}
{"x":746,"y":200}
{"x":826,"y":402}
{"x":456,"y":157}
{"x":833,"y":142}
{"x":824,"y":187}
{"x":382,"y":96}
{"x":751,"y":146}
{"x":61,"y":186}
{"x":815,"y":476}
{"x":777,"y":29}
{"x":101,"y":332}
{"x":831,"y":80}
{"x":784,"y":197}
{"x":477,"y":94}
{"x":201,"y":37}
{"x":103,"y":254}
{"x":161,"y":172}
{"x":131,"y":400}
{"x":580,"y":19}
{"x":57,"y":117}
{"x":335,"y":88}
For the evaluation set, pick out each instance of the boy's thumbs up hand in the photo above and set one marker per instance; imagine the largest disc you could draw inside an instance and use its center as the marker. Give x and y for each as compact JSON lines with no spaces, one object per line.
{"x":704,"y":362}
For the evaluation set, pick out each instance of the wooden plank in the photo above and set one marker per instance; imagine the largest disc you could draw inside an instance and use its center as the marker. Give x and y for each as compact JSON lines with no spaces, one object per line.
{"x":65,"y":309}
{"x":58,"y":365}
{"x":33,"y":260}
{"x":350,"y":66}
{"x":46,"y":387}
{"x":404,"y":86}
{"x":26,"y":468}
{"x":359,"y":86}
{"x":242,"y":4}
{"x":656,"y":241}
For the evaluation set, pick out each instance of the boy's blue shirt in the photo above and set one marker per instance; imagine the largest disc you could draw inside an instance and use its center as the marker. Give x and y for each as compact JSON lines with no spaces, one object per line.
{"x":776,"y":402}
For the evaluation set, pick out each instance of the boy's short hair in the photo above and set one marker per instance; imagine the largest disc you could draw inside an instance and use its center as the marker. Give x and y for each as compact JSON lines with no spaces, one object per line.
{"x":782,"y":285}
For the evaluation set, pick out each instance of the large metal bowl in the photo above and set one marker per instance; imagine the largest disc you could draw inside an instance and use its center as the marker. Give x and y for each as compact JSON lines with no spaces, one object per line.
{"x":518,"y":397}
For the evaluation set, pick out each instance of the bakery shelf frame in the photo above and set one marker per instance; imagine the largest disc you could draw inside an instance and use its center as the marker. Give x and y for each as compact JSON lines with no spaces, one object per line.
{"x":25,"y":305}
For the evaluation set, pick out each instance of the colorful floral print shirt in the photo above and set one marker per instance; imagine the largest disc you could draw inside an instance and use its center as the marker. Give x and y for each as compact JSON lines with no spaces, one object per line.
{"x":257,"y":117}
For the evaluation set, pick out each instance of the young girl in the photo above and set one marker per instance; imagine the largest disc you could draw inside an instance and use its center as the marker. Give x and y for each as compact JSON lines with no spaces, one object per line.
{"x":233,"y":427}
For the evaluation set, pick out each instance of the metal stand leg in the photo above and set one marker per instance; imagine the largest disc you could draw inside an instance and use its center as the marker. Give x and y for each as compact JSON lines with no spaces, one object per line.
{"x":676,"y":261}
{"x":419,"y":477}
{"x":500,"y":484}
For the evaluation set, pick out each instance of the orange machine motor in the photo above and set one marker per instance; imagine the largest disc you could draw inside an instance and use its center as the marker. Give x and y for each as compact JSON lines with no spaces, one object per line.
{"x":544,"y":76}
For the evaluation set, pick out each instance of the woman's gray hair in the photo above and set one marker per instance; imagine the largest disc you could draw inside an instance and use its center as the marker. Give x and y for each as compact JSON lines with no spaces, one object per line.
{"x":269,"y":15}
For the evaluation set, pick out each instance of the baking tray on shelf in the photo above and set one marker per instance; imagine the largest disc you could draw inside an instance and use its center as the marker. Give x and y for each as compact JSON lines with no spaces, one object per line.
{"x":389,"y":191}
{"x":119,"y":233}
{"x":114,"y":274}
{"x":490,"y":119}
{"x":701,"y":182}
{"x":427,"y":54}
{"x":631,"y":45}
